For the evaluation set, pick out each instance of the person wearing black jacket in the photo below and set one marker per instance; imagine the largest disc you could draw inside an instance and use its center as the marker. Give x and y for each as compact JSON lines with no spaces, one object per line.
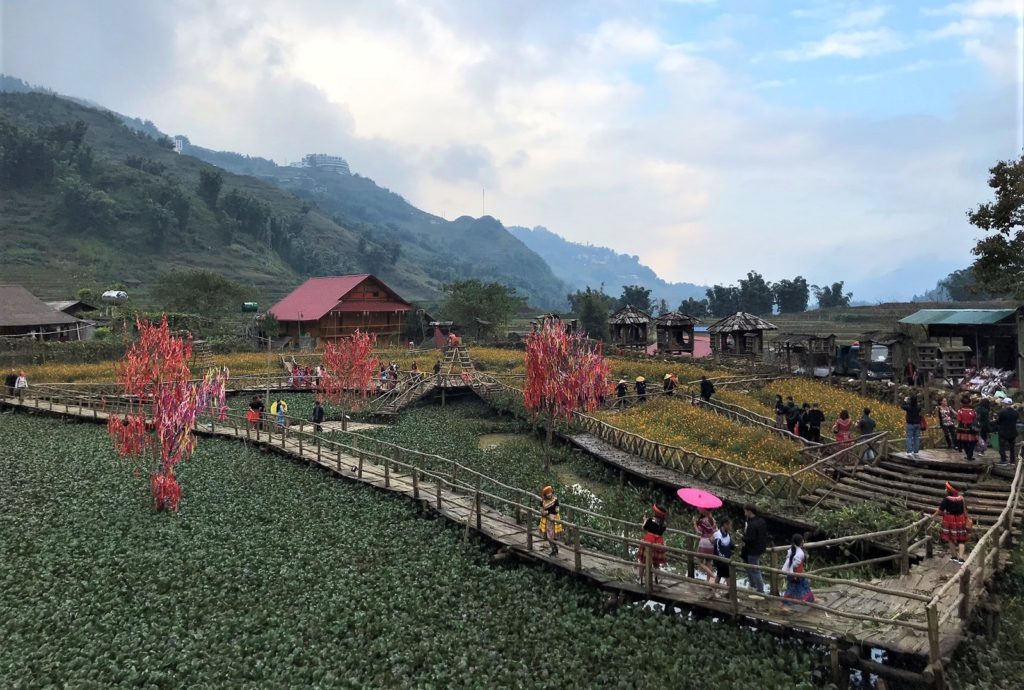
{"x":9,"y":381}
{"x":318,"y":417}
{"x":707,"y":389}
{"x":780,"y":412}
{"x":755,"y":542}
{"x":813,"y":420}
{"x":792,"y":413}
{"x":913,"y":422}
{"x":1006,"y":424}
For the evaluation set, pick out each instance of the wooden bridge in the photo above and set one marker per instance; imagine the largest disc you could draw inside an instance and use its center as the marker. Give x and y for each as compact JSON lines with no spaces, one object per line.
{"x":920,"y":612}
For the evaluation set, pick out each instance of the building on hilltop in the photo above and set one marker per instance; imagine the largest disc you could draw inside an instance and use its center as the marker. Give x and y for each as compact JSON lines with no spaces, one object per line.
{"x":323,"y":161}
{"x":23,"y":315}
{"x":333,"y":307}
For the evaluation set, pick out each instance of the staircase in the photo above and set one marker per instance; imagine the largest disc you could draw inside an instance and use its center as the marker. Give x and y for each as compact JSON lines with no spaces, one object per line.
{"x":900,"y":483}
{"x":406,"y":394}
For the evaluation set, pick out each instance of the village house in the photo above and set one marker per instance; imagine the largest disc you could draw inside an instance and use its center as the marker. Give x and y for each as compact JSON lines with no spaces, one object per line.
{"x":24,"y":315}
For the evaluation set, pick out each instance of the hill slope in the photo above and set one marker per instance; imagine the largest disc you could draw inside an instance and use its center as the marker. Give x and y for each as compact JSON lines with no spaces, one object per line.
{"x":584,"y":265}
{"x":92,"y":199}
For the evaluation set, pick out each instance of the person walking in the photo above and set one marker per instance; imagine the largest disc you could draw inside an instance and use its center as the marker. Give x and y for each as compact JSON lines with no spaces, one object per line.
{"x":866,"y":425}
{"x":755,"y":541}
{"x":913,"y":425}
{"x":792,"y":415}
{"x":318,"y":417}
{"x":279,"y":409}
{"x":984,"y":410}
{"x":967,"y":427}
{"x":621,"y":388}
{"x":1006,"y":425}
{"x":956,"y":524}
{"x":814,"y":419}
{"x":550,"y":518}
{"x":707,"y":389}
{"x":670,"y":384}
{"x":641,"y":389}
{"x":705,"y":527}
{"x":253,"y":414}
{"x":20,"y":384}
{"x":723,"y":549}
{"x":798,"y":587}
{"x":654,"y":530}
{"x":801,"y":425}
{"x":841,"y":429}
{"x":780,"y":412}
{"x":947,"y":420}
{"x":9,"y":381}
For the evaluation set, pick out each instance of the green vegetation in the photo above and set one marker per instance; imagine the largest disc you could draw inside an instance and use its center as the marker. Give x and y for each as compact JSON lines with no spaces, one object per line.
{"x":198,"y":292}
{"x":999,"y":267}
{"x":273,"y":575}
{"x":466,"y":301}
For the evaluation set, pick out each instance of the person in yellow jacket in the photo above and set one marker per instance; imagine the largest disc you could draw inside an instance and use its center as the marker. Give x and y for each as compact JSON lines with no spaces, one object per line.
{"x":279,"y":408}
{"x":550,"y":519}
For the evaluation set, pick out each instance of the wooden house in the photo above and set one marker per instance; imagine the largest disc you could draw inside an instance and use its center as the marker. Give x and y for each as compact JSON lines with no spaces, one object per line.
{"x":675,"y":333}
{"x":739,"y":334}
{"x":628,"y":327}
{"x":24,"y":315}
{"x":813,"y":353}
{"x":336,"y":306}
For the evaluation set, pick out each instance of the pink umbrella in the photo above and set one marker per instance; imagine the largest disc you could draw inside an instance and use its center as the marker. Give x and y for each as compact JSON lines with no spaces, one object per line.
{"x":698,"y":498}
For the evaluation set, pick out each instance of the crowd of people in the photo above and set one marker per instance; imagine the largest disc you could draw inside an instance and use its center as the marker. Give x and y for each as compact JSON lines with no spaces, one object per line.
{"x":969,"y":428}
{"x":806,"y":421}
{"x":669,"y":385}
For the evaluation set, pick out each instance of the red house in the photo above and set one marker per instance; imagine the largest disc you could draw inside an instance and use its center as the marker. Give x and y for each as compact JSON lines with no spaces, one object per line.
{"x":335,"y":306}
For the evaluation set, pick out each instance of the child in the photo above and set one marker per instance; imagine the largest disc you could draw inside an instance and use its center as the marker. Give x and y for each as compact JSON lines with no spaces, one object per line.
{"x":723,"y":548}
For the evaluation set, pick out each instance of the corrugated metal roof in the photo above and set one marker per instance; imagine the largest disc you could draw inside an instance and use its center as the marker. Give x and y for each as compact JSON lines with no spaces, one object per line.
{"x":958,"y":317}
{"x":317,"y":296}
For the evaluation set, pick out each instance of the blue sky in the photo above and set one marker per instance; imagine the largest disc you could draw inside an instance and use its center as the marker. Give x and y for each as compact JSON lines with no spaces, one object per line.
{"x":834,"y":140}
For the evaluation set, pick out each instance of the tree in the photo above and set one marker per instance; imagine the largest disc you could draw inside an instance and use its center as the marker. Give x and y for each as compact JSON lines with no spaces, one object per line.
{"x":662,"y":308}
{"x":565,"y":372}
{"x":999,"y":266}
{"x":755,"y":295}
{"x":635,"y":295}
{"x":722,"y":300}
{"x":210,"y":182}
{"x":468,"y":300}
{"x":157,"y":433}
{"x":693,"y":307}
{"x":196,"y":291}
{"x":592,"y":308}
{"x":831,"y":296}
{"x":349,"y":368}
{"x":791,"y":296}
{"x":83,"y":207}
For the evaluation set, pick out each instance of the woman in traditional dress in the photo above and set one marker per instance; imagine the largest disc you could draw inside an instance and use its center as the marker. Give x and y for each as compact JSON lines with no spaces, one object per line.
{"x":253,"y":414}
{"x":798,"y":587}
{"x":705,"y":527}
{"x":954,"y":522}
{"x":654,"y":530}
{"x":842,"y":429}
{"x":550,"y":519}
{"x":967,"y":427}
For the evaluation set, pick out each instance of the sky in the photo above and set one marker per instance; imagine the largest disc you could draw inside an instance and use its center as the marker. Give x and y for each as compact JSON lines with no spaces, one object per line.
{"x":830,"y":139}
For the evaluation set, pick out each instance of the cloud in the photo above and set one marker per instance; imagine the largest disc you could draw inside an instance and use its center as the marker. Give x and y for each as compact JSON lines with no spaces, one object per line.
{"x":961,"y":28}
{"x":979,"y":9}
{"x":867,"y":16}
{"x":909,"y":68}
{"x":774,"y":83}
{"x":848,"y":44}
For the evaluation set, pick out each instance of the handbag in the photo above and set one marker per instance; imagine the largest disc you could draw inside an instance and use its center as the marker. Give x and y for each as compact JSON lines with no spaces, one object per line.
{"x":924,"y":423}
{"x":969,"y":522}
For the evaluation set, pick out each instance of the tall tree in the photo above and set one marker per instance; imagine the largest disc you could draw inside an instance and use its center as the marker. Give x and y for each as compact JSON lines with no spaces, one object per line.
{"x":210,"y":182}
{"x":635,"y":295}
{"x":662,"y":308}
{"x":999,"y":266}
{"x":592,"y":308}
{"x":470,"y":299}
{"x":755,"y":294}
{"x":831,"y":296}
{"x":694,"y":307}
{"x":349,"y":367}
{"x":791,"y":296}
{"x":723,"y":300}
{"x":565,"y":372}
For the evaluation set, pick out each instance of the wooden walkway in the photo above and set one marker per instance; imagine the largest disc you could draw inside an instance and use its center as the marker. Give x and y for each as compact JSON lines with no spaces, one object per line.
{"x":892,"y":614}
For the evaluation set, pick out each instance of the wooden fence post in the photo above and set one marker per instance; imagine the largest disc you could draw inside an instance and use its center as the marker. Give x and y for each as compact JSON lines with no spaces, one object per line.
{"x":733,"y":595}
{"x":387,"y":472}
{"x":338,"y":457}
{"x":359,"y":472}
{"x":649,"y":569}
{"x":904,"y":552}
{"x":577,"y":557}
{"x":934,"y":651}
{"x":529,"y":531}
{"x":319,"y":459}
{"x":476,"y":503}
{"x":773,"y":583}
{"x":415,"y":484}
{"x":965,"y":592}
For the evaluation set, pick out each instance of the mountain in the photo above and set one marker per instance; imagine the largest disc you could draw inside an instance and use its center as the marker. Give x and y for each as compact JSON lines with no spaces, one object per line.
{"x":93,"y":198}
{"x":584,"y":265}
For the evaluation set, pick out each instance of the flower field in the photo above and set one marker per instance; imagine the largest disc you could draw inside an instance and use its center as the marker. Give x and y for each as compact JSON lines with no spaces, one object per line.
{"x":696,"y":429}
{"x":273,"y":575}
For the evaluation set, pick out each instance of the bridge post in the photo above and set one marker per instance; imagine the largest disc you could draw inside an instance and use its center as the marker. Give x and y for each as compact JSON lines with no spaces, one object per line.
{"x":577,"y":557}
{"x":387,"y":472}
{"x":649,"y":569}
{"x":733,"y":595}
{"x":529,"y":532}
{"x":773,"y":561}
{"x":437,"y":481}
{"x":338,"y":458}
{"x":359,"y":472}
{"x":904,"y":552}
{"x":476,"y":503}
{"x":415,"y":485}
{"x":318,"y":455}
{"x":965,"y":592}
{"x":934,"y":651}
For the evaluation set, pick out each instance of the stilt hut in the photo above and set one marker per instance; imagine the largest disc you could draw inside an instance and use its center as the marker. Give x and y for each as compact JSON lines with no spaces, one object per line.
{"x":675,"y":333}
{"x":739,"y":334}
{"x":813,"y":353}
{"x":628,"y":327}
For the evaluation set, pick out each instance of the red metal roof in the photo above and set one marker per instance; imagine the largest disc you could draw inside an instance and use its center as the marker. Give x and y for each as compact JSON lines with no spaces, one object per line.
{"x":317,"y":296}
{"x":372,"y":306}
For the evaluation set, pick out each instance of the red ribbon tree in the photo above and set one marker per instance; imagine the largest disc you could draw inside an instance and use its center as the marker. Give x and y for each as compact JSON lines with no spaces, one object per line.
{"x":349,"y":369}
{"x":156,"y":433}
{"x":565,"y":373}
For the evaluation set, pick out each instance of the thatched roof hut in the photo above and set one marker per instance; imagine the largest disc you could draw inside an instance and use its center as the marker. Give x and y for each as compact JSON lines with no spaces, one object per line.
{"x":675,"y":332}
{"x":740,"y":333}
{"x":628,"y":327}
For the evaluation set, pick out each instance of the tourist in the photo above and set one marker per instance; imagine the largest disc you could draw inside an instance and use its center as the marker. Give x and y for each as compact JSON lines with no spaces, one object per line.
{"x":722,"y":541}
{"x":867,"y":423}
{"x":842,"y":429}
{"x":641,"y":388}
{"x":947,"y":421}
{"x":801,"y":425}
{"x":814,"y":419}
{"x":383,"y":376}
{"x":910,"y":374}
{"x":707,"y":389}
{"x":300,"y":376}
{"x":755,"y":541}
{"x":279,"y":409}
{"x":792,"y":415}
{"x":705,"y":527}
{"x":654,"y":530}
{"x":913,"y":425}
{"x":437,"y":370}
{"x":780,"y":412}
{"x":414,"y":372}
{"x":9,"y":381}
{"x":20,"y":384}
{"x":318,"y":417}
{"x":955,"y":522}
{"x":670,"y":384}
{"x":254,"y":413}
{"x":317,"y":373}
{"x":984,"y":410}
{"x":620,"y":392}
{"x":798,"y":587}
{"x":550,"y":519}
{"x":1006,"y":425}
{"x":261,"y":409}
{"x":967,"y":427}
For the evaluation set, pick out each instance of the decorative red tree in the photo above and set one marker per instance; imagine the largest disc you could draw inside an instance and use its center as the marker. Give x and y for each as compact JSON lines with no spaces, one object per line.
{"x":157,"y":432}
{"x":564,"y":373}
{"x":349,"y":368}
